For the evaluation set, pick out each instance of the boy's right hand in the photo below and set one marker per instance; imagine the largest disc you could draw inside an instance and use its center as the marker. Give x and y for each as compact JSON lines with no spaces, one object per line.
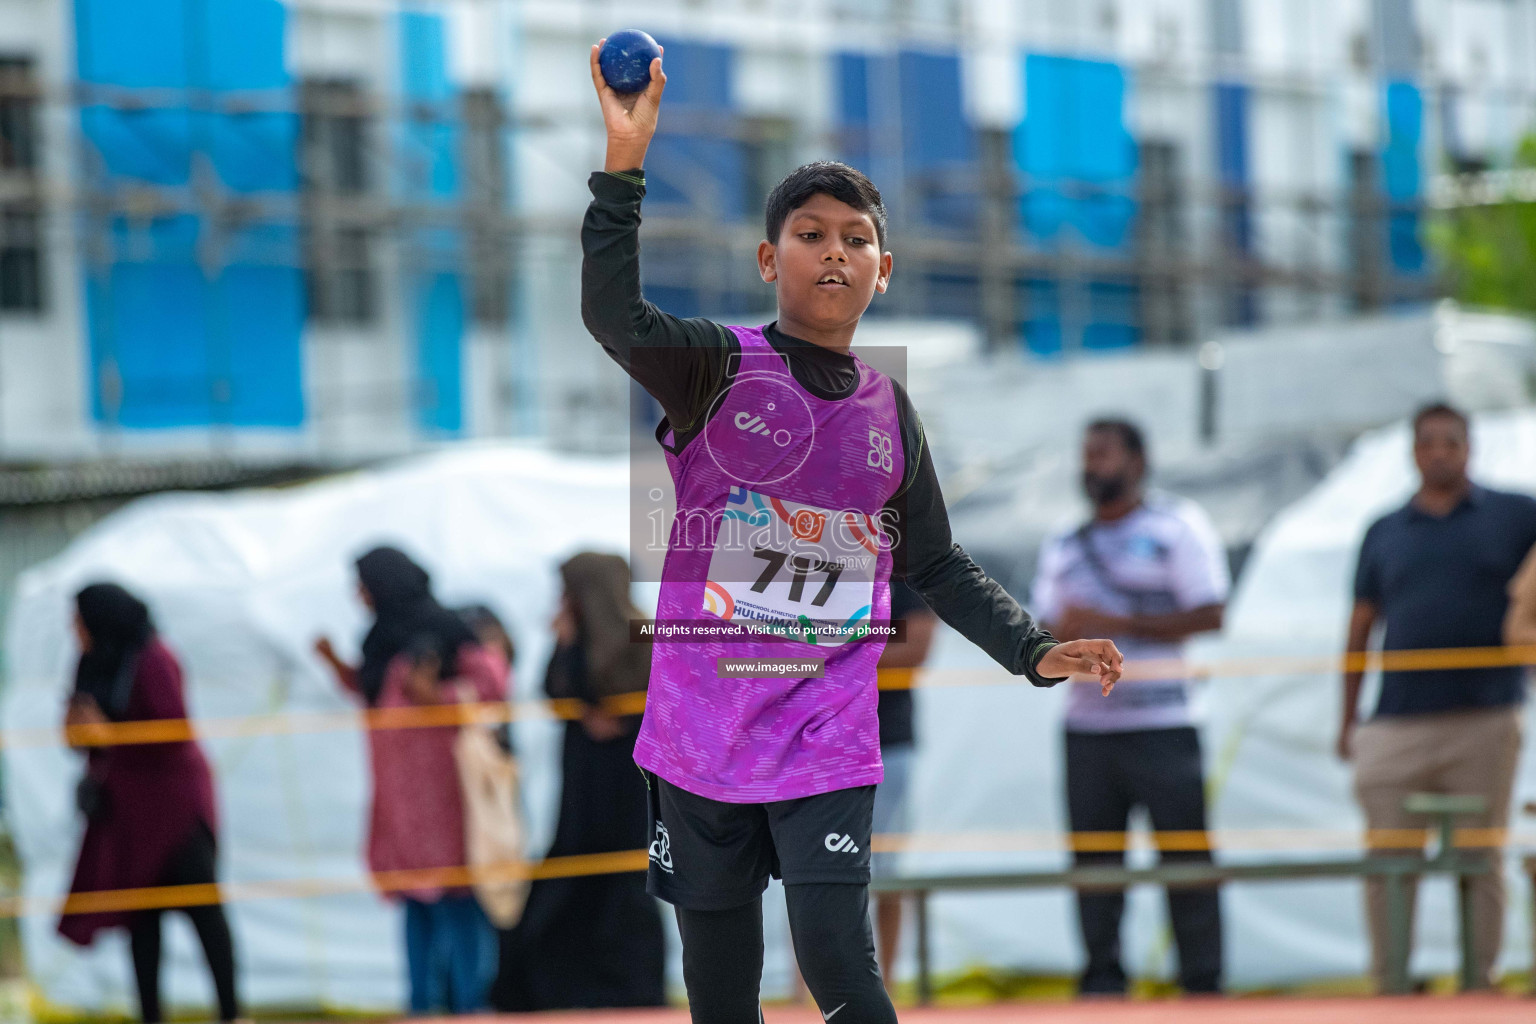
{"x":1098,"y":658}
{"x":630,"y":118}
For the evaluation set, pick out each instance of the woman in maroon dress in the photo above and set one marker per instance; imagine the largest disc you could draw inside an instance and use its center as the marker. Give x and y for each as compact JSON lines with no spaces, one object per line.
{"x":150,"y":818}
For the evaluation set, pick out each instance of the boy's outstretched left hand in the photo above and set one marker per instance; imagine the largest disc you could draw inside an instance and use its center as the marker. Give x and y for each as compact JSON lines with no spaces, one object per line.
{"x":1099,"y":658}
{"x":629,"y":118}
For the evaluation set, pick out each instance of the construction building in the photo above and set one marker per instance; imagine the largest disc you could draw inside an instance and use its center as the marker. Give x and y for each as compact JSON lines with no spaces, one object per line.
{"x":246,"y":234}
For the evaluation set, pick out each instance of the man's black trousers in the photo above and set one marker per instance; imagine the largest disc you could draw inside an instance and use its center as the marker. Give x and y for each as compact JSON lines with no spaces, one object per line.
{"x":1109,"y":774}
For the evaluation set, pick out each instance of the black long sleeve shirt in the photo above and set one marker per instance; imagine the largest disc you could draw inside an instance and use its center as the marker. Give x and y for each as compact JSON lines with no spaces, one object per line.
{"x":685,"y":365}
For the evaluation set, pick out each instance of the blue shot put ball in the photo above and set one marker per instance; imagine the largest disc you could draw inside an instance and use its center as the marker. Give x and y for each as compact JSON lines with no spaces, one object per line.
{"x":625,"y":60}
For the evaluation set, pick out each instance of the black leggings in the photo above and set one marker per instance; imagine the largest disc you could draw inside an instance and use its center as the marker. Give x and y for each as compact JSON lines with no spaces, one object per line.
{"x":192,"y":864}
{"x":723,"y":957}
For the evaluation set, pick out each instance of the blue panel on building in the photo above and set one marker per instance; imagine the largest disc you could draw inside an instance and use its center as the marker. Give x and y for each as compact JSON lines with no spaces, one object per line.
{"x":694,"y":165}
{"x":683,"y":302}
{"x":171,"y":346}
{"x":1078,"y":163}
{"x":698,"y":74}
{"x":1401,"y":174}
{"x":153,"y":369}
{"x":938,"y":143}
{"x":433,"y":126}
{"x":261,"y":365}
{"x":136,"y":46}
{"x":1231,"y":99}
{"x":955,"y":296}
{"x":1078,"y":159}
{"x":429,"y":143}
{"x":855,"y":142}
{"x":439,"y":331}
{"x":1230,"y":103}
{"x":936,"y":133}
{"x":1040,"y":300}
{"x":150,"y":146}
{"x":244,"y":44}
{"x":423,"y":63}
{"x":914,"y":99}
{"x":139,"y":45}
{"x":1111,"y":315}
{"x":253,"y":151}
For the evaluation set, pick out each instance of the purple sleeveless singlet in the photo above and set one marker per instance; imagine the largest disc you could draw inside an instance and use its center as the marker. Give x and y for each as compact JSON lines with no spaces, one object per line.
{"x":777,"y":531}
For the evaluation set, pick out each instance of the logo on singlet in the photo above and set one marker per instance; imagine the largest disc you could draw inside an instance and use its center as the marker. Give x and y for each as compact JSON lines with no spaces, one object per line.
{"x":880,"y":448}
{"x":661,"y":849}
{"x":768,"y":432}
{"x":754,"y":424}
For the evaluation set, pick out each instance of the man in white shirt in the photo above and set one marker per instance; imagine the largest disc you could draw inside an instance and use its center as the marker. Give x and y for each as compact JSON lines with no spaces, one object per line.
{"x":1147,"y":571}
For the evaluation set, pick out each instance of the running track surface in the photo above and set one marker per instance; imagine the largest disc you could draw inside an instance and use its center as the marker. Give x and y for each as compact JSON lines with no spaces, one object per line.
{"x":1418,"y":1010}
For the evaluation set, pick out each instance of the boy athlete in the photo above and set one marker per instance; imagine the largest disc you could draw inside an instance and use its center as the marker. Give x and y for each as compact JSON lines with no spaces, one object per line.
{"x":785,"y":451}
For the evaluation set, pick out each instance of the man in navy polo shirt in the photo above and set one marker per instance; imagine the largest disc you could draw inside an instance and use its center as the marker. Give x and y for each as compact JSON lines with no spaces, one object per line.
{"x":1437,"y":571}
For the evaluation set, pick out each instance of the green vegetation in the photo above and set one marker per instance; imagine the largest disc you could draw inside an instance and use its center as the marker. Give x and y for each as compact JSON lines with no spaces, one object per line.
{"x":1489,"y":251}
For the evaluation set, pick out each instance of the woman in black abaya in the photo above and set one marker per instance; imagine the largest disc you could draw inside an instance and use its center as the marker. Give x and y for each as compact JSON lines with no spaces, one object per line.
{"x":592,"y":941}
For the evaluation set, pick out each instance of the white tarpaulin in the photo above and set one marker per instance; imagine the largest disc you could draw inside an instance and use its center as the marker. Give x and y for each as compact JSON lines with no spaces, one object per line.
{"x":242,"y":584}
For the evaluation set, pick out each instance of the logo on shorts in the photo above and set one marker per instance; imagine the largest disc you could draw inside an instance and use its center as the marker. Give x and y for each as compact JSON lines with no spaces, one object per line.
{"x":661,"y":849}
{"x":839,"y":843}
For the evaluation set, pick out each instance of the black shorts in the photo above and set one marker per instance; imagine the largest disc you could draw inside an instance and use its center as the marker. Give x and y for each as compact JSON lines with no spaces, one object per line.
{"x":710,"y":855}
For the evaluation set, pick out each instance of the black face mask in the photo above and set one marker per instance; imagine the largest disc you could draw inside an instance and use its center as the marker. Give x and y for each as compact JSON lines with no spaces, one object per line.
{"x":1102,"y":490}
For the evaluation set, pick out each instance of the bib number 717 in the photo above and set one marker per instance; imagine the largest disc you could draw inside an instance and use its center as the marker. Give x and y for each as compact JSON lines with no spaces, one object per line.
{"x":801,"y":568}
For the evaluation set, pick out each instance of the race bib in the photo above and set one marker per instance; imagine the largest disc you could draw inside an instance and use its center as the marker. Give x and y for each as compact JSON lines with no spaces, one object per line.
{"x":793,"y":570}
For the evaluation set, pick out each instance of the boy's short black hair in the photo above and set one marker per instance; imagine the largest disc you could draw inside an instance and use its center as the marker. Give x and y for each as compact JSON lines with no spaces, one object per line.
{"x":825,"y":177}
{"x":1130,"y":434}
{"x":1436,"y":409}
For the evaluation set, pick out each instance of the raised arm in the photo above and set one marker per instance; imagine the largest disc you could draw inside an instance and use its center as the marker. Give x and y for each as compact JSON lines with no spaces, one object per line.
{"x":961,"y":594}
{"x":681,"y":363}
{"x":345,"y":674}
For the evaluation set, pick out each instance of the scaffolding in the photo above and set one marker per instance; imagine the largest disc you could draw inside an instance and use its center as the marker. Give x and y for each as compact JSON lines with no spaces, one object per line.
{"x":1198,"y":253}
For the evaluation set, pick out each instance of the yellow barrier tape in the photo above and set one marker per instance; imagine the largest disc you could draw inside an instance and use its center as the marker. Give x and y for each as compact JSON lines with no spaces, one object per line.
{"x":169,"y":896}
{"x":626,"y":861}
{"x":1267,"y":840}
{"x":429,"y":716}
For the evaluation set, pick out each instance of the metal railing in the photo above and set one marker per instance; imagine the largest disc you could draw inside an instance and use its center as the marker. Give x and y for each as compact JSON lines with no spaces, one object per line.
{"x":1398,"y":872}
